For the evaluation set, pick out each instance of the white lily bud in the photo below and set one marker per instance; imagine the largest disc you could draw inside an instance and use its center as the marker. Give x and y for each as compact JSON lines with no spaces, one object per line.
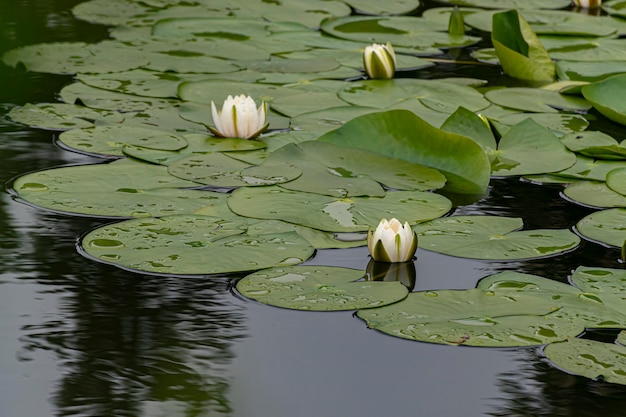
{"x":392,"y":241}
{"x":379,"y":61}
{"x":239,"y":118}
{"x":588,"y":4}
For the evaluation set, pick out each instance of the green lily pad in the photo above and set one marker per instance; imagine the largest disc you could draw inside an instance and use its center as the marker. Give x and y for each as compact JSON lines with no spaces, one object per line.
{"x":560,"y":124}
{"x":123,"y":188}
{"x":606,"y":226}
{"x":467,"y":123}
{"x":536,"y":100}
{"x":437,"y":95}
{"x":335,"y":214}
{"x":519,"y":51}
{"x":472,"y":317}
{"x":587,"y":168}
{"x":403,"y":135}
{"x":217,"y":91}
{"x":140,"y":82}
{"x":607,"y":97}
{"x":322,"y":121}
{"x":609,"y":283}
{"x":319,"y":288}
{"x":307,"y":102}
{"x":192,"y":245}
{"x":511,"y":4}
{"x":422,"y":35}
{"x":99,"y":99}
{"x":586,"y":50}
{"x":615,"y":8}
{"x":616,"y":180}
{"x":594,"y":194}
{"x":589,"y":71}
{"x":591,"y":359}
{"x":219,"y":170}
{"x":550,"y":22}
{"x":197,"y":144}
{"x":109,"y":140}
{"x":595,"y":144}
{"x":60,"y":116}
{"x":74,"y":57}
{"x":375,"y":7}
{"x":345,"y":172}
{"x":493,"y":238}
{"x":529,"y":148}
{"x":593,"y":308}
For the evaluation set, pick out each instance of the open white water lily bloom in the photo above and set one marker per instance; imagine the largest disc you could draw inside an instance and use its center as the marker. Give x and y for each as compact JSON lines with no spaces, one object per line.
{"x":239,"y":118}
{"x":588,"y":4}
{"x":379,"y":61}
{"x":392,"y":241}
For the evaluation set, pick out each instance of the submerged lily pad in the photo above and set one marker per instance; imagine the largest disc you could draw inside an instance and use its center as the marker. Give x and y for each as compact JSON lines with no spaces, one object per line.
{"x":109,"y":140}
{"x":191,"y":245}
{"x":607,"y":96}
{"x":403,"y":135}
{"x":123,"y":188}
{"x":335,"y":214}
{"x":606,"y":226}
{"x":492,"y":238}
{"x":319,"y":288}
{"x":472,"y":317}
{"x":589,"y":358}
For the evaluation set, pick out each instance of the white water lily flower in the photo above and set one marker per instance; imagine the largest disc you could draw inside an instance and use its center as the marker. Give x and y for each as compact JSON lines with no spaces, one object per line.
{"x":379,"y":61}
{"x":392,"y":241}
{"x":588,"y":4}
{"x":239,"y":118}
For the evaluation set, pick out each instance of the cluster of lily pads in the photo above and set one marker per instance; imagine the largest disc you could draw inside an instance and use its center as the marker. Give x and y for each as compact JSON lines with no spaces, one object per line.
{"x":343,"y":151}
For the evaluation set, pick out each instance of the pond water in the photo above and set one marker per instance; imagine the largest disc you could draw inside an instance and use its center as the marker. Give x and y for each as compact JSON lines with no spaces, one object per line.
{"x":79,"y":338}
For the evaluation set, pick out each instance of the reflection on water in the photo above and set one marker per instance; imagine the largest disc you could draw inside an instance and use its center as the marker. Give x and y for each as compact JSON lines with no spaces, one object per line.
{"x":84,"y":339}
{"x":537,"y":389}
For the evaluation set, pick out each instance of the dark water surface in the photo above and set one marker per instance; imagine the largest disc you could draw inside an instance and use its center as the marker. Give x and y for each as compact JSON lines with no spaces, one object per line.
{"x":78,"y":338}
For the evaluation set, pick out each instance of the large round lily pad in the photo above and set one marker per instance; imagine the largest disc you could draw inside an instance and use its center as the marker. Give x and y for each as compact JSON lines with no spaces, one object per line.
{"x":123,"y":188}
{"x":492,"y":237}
{"x":606,"y":226}
{"x":109,"y":140}
{"x":472,"y":317}
{"x":594,"y":194}
{"x":190,"y":245}
{"x":322,"y":212}
{"x":616,"y":180}
{"x":319,"y":288}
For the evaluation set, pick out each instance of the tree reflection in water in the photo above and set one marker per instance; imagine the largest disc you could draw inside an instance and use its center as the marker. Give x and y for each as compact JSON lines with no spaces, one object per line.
{"x":537,"y":389}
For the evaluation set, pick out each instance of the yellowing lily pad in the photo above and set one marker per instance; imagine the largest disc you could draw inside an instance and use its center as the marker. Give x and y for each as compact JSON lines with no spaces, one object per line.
{"x":319,"y":288}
